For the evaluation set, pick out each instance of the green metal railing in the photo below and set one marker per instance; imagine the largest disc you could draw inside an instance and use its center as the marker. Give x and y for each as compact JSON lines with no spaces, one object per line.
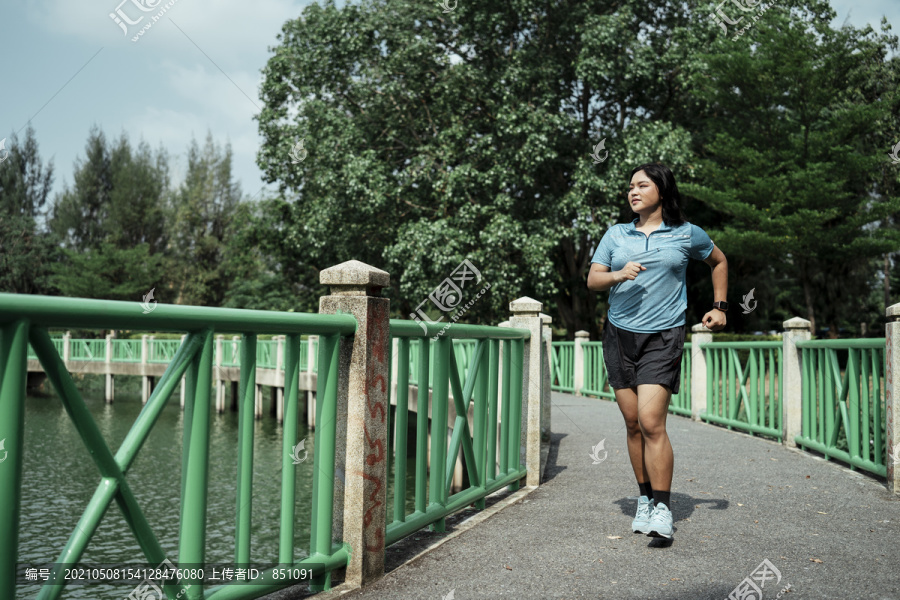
{"x":562,"y":367}
{"x":26,"y":319}
{"x":474,"y":385}
{"x":596,"y":378}
{"x":741,"y":387}
{"x":844,"y":401}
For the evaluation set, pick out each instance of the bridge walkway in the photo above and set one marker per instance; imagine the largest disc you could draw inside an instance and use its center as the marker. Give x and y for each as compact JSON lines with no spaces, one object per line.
{"x":737,"y":501}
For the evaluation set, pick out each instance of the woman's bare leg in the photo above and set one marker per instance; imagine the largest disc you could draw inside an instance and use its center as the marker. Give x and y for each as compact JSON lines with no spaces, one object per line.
{"x":652,"y":409}
{"x":627,"y":399}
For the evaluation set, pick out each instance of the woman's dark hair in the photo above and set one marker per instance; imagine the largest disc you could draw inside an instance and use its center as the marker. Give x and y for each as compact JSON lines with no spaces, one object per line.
{"x":662,"y":176}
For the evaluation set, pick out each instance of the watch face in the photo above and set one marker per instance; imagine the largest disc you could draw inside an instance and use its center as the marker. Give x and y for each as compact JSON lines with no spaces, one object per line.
{"x":721,"y":304}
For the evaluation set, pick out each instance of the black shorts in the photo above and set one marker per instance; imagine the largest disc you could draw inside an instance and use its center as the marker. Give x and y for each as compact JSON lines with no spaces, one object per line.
{"x":638,"y":358}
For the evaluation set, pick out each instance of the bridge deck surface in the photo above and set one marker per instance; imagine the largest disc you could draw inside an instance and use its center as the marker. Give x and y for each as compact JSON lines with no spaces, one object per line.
{"x":737,"y":500}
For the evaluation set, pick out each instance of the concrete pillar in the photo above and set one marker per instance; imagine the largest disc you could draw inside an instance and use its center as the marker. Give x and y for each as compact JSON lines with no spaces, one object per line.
{"x":235,"y":385}
{"x":361,"y":414}
{"x":183,"y":379}
{"x":67,"y":346}
{"x":279,"y":379}
{"x":526,"y":315}
{"x":795,"y":330}
{"x":258,"y":402}
{"x":145,"y":381}
{"x":892,"y":397}
{"x":108,"y":367}
{"x":578,"y":381}
{"x":220,"y":383}
{"x":395,"y":373}
{"x":700,"y":335}
{"x":312,"y":342}
{"x":547,"y":337}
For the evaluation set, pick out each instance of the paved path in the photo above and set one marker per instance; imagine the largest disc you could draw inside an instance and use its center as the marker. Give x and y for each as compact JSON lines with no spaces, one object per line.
{"x":737,"y":500}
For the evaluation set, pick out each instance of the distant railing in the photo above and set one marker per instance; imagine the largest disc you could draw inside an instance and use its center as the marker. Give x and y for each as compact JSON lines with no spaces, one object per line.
{"x":562,"y":367}
{"x":840,"y":411}
{"x":844,"y":401}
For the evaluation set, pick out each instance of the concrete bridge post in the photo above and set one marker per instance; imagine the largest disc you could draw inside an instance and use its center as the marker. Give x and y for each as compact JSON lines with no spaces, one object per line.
{"x":362,"y":406}
{"x":279,"y":379}
{"x":892,"y":398}
{"x":795,"y":330}
{"x":108,"y":366}
{"x":220,"y":381}
{"x":311,"y":343}
{"x":235,"y":387}
{"x":526,"y":315}
{"x":547,"y":337}
{"x":578,"y":380}
{"x":700,"y":335}
{"x":145,"y":383}
{"x":183,"y":379}
{"x":67,"y":347}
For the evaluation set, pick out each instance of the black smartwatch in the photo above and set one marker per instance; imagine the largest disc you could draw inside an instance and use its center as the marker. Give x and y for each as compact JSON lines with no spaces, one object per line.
{"x":721,"y":305}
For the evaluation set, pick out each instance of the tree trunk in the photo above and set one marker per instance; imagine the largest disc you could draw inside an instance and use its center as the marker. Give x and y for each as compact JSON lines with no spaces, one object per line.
{"x":810,"y":310}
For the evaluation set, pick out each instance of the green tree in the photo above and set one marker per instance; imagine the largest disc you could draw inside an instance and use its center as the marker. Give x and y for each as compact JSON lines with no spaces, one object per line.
{"x":27,"y":250}
{"x":199,"y":216}
{"x":793,"y":151}
{"x":112,"y":221}
{"x":433,"y":138}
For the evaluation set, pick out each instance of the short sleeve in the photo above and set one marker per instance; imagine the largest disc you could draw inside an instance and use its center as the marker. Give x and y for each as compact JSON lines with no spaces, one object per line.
{"x":603,"y":254}
{"x":701,"y":245}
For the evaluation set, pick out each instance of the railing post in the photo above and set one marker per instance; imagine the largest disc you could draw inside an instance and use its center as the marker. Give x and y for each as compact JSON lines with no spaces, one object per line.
{"x":526,"y":315}
{"x":220,"y":384}
{"x":795,"y":330}
{"x":183,"y":380}
{"x":67,"y":347}
{"x":892,"y":397}
{"x":700,"y":334}
{"x":311,"y":343}
{"x":108,"y":366}
{"x":279,"y":379}
{"x":145,"y":383}
{"x":362,"y":408}
{"x":578,"y":380}
{"x":547,"y":337}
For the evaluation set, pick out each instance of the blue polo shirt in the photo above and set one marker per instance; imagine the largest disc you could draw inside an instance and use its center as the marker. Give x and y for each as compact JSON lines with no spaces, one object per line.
{"x":656,"y":299}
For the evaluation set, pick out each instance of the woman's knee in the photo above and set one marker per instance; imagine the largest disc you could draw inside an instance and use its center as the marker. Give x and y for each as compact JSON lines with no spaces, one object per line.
{"x":652,"y":429}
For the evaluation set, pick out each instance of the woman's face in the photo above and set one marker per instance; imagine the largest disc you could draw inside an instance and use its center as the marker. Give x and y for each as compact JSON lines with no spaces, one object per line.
{"x":643,"y":195}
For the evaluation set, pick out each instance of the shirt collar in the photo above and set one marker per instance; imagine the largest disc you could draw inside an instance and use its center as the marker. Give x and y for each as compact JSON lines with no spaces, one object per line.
{"x":633,"y":226}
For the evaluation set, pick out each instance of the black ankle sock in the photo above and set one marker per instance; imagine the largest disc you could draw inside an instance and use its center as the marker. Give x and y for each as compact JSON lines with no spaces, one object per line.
{"x":662,"y":498}
{"x":646,"y":490}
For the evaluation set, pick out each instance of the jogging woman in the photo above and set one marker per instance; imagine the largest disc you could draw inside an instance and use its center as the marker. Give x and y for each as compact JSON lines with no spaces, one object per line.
{"x":643,"y":263}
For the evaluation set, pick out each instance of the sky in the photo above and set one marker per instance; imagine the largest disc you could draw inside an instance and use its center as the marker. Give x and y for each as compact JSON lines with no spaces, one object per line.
{"x":67,"y":65}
